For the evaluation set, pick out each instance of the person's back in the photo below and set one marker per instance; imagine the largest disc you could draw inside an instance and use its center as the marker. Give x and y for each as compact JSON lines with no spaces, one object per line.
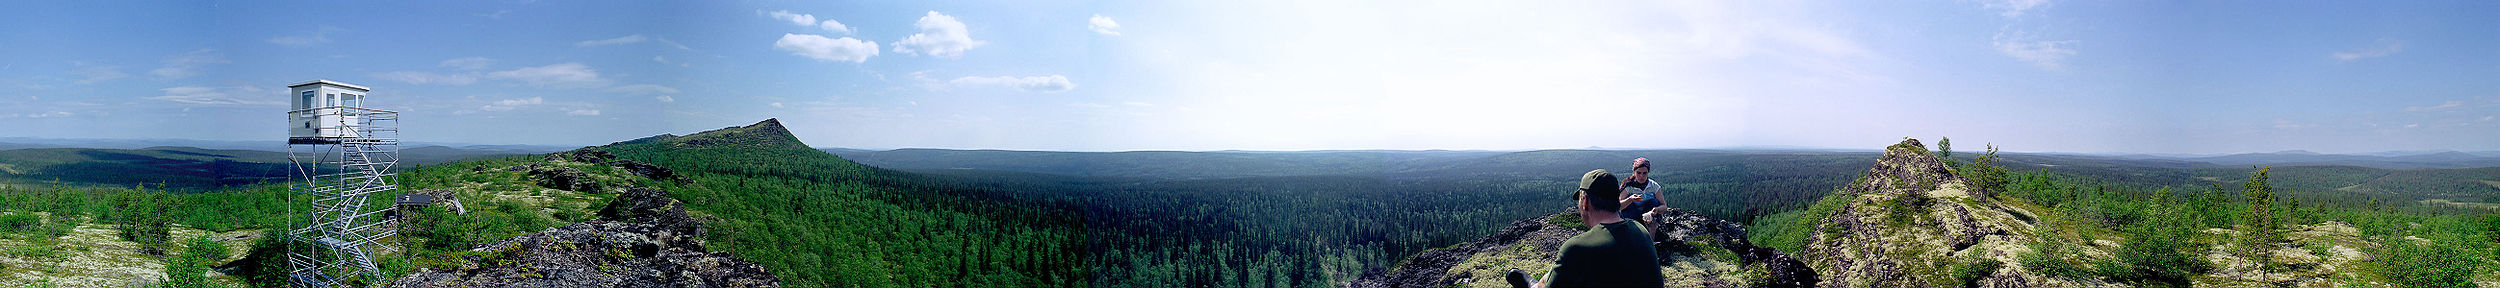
{"x":1610,"y":255}
{"x":1615,"y":252}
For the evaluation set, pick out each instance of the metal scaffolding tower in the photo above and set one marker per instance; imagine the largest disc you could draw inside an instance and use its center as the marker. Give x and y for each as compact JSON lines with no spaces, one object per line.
{"x":331,"y":220}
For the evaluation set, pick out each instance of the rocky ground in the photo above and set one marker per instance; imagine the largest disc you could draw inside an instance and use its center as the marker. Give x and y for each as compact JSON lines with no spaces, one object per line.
{"x":93,"y":255}
{"x":1695,"y":251}
{"x":642,"y":239}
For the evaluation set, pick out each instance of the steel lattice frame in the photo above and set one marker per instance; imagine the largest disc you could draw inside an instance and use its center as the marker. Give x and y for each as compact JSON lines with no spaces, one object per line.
{"x":330,"y":217}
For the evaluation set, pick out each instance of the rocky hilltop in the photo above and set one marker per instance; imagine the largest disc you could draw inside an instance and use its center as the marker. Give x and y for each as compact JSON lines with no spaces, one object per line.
{"x":1913,"y":222}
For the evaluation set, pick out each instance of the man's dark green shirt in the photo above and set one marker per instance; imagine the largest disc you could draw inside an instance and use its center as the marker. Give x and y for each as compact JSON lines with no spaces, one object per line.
{"x":1610,"y":255}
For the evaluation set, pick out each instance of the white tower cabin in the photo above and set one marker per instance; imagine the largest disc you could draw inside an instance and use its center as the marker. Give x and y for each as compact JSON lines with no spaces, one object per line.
{"x":325,"y":111}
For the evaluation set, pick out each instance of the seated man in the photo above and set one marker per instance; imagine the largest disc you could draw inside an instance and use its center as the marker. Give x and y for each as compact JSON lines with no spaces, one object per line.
{"x":1613,"y":253}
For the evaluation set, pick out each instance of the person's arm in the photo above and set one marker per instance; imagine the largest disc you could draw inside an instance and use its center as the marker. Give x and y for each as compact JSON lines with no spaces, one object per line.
{"x":1547,"y":282}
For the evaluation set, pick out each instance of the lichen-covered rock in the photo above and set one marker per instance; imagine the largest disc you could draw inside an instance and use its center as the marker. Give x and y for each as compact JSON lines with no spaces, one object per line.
{"x":566,"y":179}
{"x":1432,"y":268}
{"x":1912,"y":221}
{"x":583,"y":156}
{"x":1675,"y":228}
{"x":645,"y":240}
{"x":590,"y":156}
{"x":2315,"y":256}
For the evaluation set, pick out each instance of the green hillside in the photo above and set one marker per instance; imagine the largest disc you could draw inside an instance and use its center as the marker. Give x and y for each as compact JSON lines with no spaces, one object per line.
{"x":819,"y":221}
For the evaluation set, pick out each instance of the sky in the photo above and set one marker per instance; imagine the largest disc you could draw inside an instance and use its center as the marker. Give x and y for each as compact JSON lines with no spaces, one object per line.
{"x":2199,"y":77}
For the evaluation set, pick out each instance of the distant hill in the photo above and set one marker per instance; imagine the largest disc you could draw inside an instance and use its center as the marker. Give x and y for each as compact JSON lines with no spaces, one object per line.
{"x":180,"y":167}
{"x":29,"y":142}
{"x":2447,"y":159}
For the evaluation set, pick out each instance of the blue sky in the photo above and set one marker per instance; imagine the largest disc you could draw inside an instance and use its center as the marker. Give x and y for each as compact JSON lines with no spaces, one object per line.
{"x":2046,"y":75}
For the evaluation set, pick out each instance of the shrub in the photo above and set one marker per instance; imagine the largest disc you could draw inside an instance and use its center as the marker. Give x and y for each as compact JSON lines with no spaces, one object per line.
{"x":1972,"y":268}
{"x":2047,"y":258}
{"x":2412,"y":264}
{"x":20,"y":223}
{"x":190,"y":269}
{"x":2158,"y":256}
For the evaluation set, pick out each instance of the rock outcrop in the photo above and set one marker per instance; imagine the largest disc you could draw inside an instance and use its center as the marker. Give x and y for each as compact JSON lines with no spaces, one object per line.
{"x":566,"y":179}
{"x":646,"y":170}
{"x":1911,"y":222}
{"x":1432,"y":268}
{"x":644,"y":239}
{"x":1677,"y":230}
{"x":1694,"y":251}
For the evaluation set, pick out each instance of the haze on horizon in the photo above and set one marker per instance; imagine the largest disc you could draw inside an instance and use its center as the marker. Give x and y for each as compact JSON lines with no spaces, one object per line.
{"x":2046,"y":75}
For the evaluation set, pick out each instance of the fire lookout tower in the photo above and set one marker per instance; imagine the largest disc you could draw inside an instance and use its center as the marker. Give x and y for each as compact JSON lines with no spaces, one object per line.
{"x":341,"y":153}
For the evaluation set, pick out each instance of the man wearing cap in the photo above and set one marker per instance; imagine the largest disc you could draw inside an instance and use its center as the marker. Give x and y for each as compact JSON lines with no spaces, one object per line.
{"x":1613,"y":253}
{"x":1639,"y":193}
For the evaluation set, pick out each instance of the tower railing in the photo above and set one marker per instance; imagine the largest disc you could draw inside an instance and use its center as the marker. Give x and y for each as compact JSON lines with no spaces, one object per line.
{"x":335,"y":176}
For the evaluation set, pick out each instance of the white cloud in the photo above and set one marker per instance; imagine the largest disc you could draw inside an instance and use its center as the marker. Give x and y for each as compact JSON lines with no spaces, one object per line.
{"x":508,"y":105}
{"x":776,"y":104}
{"x":2382,"y":48}
{"x":940,"y":35}
{"x":1103,"y":25}
{"x":2046,"y":53}
{"x":827,"y":49}
{"x":92,"y":74}
{"x":834,"y":26}
{"x":318,"y":36}
{"x":666,"y":99}
{"x":186,"y":65}
{"x":469,"y":63}
{"x":627,"y":39}
{"x":807,"y":20}
{"x":1045,"y":84}
{"x":583,"y":112}
{"x":794,"y":18}
{"x":563,"y":75}
{"x":2015,"y":8}
{"x":233,"y":95}
{"x":2452,"y":104}
{"x":415,"y":77}
{"x":673,"y":44}
{"x":53,"y":114}
{"x":643,"y":89}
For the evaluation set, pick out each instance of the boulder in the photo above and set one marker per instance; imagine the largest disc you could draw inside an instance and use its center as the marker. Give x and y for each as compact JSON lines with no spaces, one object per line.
{"x":565,"y":179}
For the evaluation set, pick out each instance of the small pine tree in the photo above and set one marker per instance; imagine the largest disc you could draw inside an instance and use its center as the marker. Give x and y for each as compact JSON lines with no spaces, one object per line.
{"x":1985,"y":175}
{"x":1944,"y":152}
{"x":2261,"y":221}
